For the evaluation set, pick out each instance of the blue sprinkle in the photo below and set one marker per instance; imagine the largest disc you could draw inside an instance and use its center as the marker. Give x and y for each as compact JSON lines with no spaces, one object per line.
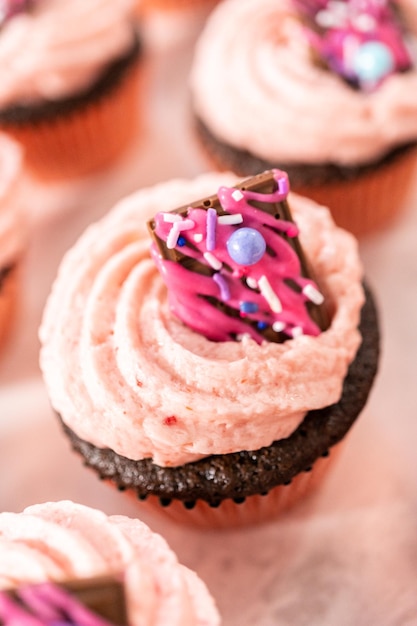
{"x":248,"y":307}
{"x":262,"y":325}
{"x":181,"y":241}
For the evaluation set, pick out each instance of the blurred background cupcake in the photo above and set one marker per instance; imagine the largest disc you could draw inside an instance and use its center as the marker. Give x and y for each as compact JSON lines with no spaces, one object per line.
{"x":12,"y":231}
{"x":323,"y":90}
{"x":69,"y":75}
{"x":97,"y":566}
{"x":189,"y":399}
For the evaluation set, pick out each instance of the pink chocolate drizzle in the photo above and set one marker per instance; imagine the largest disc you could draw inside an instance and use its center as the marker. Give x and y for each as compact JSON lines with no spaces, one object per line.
{"x":229,"y":299}
{"x":10,"y":8}
{"x":340,"y":31}
{"x":45,"y":604}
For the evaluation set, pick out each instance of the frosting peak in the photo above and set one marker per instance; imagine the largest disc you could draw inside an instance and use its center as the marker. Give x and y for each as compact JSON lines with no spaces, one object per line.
{"x":60,"y":47}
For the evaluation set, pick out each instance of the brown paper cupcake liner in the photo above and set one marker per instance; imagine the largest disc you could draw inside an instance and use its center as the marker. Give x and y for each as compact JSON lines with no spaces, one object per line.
{"x":9,"y":290}
{"x":371,"y":201}
{"x":84,"y":134}
{"x":256,"y":509}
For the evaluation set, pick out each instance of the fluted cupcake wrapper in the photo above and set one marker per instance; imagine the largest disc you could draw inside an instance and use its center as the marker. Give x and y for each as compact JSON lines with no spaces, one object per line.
{"x":9,"y":299}
{"x":255,"y":509}
{"x":373,"y":199}
{"x":85,"y":133}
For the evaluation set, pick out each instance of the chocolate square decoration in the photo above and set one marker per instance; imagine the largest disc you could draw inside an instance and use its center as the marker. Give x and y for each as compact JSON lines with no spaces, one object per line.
{"x":234,"y":265}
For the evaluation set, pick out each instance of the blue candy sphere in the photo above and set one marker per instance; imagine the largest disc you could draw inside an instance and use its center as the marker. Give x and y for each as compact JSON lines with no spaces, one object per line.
{"x":372,"y":61}
{"x":246,"y":246}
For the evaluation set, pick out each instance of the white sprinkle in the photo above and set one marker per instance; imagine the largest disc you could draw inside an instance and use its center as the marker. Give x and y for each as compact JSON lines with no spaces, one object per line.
{"x":211,"y":260}
{"x":242,"y":336}
{"x":185,"y":225}
{"x":252,"y":282}
{"x":269,"y":294}
{"x":365,"y":23}
{"x":297,"y":331}
{"x":236,"y":218}
{"x":237,"y":195}
{"x":198,"y":237}
{"x":173,"y":235}
{"x":278,"y":326}
{"x":313,"y":294}
{"x":172,"y":217}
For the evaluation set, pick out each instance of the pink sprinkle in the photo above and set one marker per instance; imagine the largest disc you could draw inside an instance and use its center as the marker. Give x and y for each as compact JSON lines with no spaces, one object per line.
{"x":211,"y":221}
{"x":170,"y":421}
{"x":185,"y":225}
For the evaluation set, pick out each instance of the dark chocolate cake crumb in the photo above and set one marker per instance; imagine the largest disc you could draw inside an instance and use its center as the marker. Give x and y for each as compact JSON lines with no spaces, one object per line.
{"x":244,"y":163}
{"x":241,"y":474}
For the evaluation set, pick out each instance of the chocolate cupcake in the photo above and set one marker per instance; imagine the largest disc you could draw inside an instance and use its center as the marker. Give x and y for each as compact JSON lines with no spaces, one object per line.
{"x":69,"y":84}
{"x":224,"y":396}
{"x":65,"y":563}
{"x":319,"y":89}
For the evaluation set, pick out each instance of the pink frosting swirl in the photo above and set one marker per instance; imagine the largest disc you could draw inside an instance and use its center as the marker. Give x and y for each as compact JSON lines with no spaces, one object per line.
{"x":65,"y":541}
{"x":125,"y":373}
{"x":273,"y":100}
{"x":12,"y":229}
{"x":59,"y":48}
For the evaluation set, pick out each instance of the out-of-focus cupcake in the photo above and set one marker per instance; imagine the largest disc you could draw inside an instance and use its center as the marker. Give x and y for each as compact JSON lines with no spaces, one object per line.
{"x":323,"y":90}
{"x":199,"y":406}
{"x":62,"y":562}
{"x":12,"y":231}
{"x":69,"y":82}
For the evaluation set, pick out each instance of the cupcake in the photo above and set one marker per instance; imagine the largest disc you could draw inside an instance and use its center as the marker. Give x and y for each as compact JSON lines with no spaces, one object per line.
{"x":12,"y":231}
{"x":69,"y":76}
{"x":220,"y":398}
{"x":320,"y":89}
{"x":65,"y":563}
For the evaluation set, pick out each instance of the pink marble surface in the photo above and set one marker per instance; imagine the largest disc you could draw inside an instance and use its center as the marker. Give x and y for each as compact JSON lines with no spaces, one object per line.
{"x":347,"y":557}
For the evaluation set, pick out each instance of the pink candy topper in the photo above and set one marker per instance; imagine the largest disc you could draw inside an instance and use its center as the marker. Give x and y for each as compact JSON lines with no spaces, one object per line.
{"x":361,"y":40}
{"x":233,"y":264}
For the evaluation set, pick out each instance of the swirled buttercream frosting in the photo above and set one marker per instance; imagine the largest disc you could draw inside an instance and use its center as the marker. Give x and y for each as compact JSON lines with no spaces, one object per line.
{"x":125,"y":373}
{"x":64,"y":541}
{"x":256,"y":86}
{"x":59,"y":48}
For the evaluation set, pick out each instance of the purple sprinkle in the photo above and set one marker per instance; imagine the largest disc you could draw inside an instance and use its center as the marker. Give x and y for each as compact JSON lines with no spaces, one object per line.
{"x":211,"y":222}
{"x":223,"y":286}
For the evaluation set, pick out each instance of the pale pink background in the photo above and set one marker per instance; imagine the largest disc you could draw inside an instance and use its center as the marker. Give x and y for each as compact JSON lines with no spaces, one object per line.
{"x":347,"y":557}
